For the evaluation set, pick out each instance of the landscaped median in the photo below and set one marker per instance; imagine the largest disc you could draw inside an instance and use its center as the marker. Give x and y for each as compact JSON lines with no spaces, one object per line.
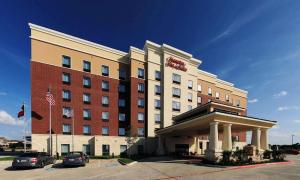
{"x":126,"y":161}
{"x":10,"y":158}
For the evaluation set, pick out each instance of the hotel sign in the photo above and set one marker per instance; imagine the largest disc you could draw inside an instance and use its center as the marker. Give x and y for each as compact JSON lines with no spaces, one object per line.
{"x":176,"y":64}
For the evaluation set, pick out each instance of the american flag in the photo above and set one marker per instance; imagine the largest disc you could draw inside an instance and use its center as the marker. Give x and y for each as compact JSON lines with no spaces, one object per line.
{"x":50,"y":99}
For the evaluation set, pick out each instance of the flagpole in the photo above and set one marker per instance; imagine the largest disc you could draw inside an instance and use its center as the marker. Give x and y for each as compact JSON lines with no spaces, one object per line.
{"x":24,"y":128}
{"x":50,"y":125}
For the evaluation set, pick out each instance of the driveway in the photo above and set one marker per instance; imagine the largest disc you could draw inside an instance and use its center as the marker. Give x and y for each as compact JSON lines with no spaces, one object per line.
{"x":154,"y":168}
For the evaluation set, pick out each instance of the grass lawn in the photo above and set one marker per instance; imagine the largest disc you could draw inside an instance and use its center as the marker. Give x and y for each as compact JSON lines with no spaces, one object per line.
{"x":125,"y":160}
{"x":6,"y":158}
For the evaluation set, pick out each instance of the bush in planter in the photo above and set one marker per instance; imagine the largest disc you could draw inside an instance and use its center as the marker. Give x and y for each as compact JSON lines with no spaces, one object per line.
{"x":226,"y":155}
{"x":241,"y":156}
{"x":278,"y":155}
{"x":267,"y":154}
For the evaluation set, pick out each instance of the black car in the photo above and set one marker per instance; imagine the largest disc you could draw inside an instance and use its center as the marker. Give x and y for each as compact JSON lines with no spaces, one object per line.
{"x":33,"y":159}
{"x":76,"y":159}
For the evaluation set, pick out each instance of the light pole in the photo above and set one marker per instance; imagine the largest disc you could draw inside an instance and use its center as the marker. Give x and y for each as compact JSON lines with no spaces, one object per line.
{"x":292,"y":140}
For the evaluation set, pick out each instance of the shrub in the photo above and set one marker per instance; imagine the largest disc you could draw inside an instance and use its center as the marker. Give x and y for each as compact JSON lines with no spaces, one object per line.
{"x":226,"y":155}
{"x":267,"y":154}
{"x":241,"y":156}
{"x":278,"y":155}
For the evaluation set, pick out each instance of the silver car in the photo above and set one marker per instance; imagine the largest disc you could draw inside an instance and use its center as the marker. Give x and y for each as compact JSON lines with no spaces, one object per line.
{"x":33,"y":159}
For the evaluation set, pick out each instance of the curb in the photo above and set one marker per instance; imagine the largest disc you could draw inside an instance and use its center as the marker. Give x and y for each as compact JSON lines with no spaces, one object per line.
{"x":260,"y":165}
{"x":129,"y":164}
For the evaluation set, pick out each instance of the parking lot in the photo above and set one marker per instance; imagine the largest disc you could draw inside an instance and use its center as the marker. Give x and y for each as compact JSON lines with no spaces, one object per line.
{"x":153,"y":168}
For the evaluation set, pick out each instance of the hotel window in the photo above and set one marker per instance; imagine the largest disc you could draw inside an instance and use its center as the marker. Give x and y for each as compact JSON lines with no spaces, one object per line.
{"x":105,"y":85}
{"x":176,"y":78}
{"x":65,"y":149}
{"x":157,"y":118}
{"x":66,"y":129}
{"x":141,"y":73}
{"x":105,"y":116}
{"x":190,"y":97}
{"x":122,"y":117}
{"x":141,"y":87}
{"x":105,"y":101}
{"x":140,"y":132}
{"x":121,"y":131}
{"x":190,"y":107}
{"x":87,"y":98}
{"x":217,"y":95}
{"x":122,"y":74}
{"x":176,"y":92}
{"x":157,"y":75}
{"x":66,"y":112}
{"x":105,"y":131}
{"x":227,"y":97}
{"x":141,"y":102}
{"x":122,"y":88}
{"x":199,"y":88}
{"x":66,"y":61}
{"x":123,"y":149}
{"x":141,"y":117}
{"x":66,"y":95}
{"x":238,"y":103}
{"x":209,"y":91}
{"x":86,"y":66}
{"x":87,"y":114}
{"x":105,"y":150}
{"x":157,"y":89}
{"x":87,"y":130}
{"x":105,"y":70}
{"x":175,"y":106}
{"x":122,"y":103}
{"x":190,"y":84}
{"x":87,"y":82}
{"x":156,"y":104}
{"x":66,"y":78}
{"x":199,"y":100}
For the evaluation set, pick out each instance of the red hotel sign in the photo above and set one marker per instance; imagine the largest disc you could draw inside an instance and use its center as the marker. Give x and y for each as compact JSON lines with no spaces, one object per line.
{"x":177,"y":64}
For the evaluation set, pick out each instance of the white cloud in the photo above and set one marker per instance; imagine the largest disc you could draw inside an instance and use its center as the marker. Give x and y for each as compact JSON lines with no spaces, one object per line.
{"x":6,"y":118}
{"x":280,"y":94}
{"x":296,"y":121}
{"x":253,"y":100}
{"x":3,"y":93}
{"x":286,"y":108}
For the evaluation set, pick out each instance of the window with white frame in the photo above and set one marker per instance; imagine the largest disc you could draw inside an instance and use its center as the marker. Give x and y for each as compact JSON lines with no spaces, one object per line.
{"x":105,"y":131}
{"x":121,"y":131}
{"x":105,"y":116}
{"x":66,"y":95}
{"x":87,"y":114}
{"x":140,"y":132}
{"x":141,"y":87}
{"x":141,"y":116}
{"x":175,"y":106}
{"x":199,"y":88}
{"x":238,"y":103}
{"x":157,"y":118}
{"x":190,"y":97}
{"x":227,"y":97}
{"x":66,"y":129}
{"x":156,"y":103}
{"x":157,"y":89}
{"x":190,"y":84}
{"x":209,"y":91}
{"x":141,"y":102}
{"x":122,"y":117}
{"x":87,"y":130}
{"x":105,"y":101}
{"x":141,"y":73}
{"x":86,"y":98}
{"x":87,"y":82}
{"x":66,"y":61}
{"x":217,"y":95}
{"x":199,"y":100}
{"x":105,"y":70}
{"x":176,"y":78}
{"x":66,"y":78}
{"x":67,"y":112}
{"x":105,"y":85}
{"x":190,"y":107}
{"x":157,"y":75}
{"x":86,"y":66}
{"x":176,"y":92}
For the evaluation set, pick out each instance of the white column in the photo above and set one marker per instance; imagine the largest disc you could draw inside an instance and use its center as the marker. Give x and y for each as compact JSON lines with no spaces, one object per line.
{"x":227,"y":140}
{"x":213,"y":136}
{"x":256,"y":138}
{"x":264,"y":140}
{"x":196,"y":144}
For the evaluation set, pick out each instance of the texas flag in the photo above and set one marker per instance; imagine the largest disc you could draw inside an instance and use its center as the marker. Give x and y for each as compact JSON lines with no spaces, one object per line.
{"x":21,"y":113}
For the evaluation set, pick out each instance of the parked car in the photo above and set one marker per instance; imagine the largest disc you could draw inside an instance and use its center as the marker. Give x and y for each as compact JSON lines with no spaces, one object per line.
{"x":292,"y":151}
{"x":76,"y":159}
{"x":33,"y":159}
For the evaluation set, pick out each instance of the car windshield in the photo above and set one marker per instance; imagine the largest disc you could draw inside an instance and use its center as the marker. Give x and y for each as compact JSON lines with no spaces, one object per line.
{"x":75,"y":154}
{"x":29,"y":155}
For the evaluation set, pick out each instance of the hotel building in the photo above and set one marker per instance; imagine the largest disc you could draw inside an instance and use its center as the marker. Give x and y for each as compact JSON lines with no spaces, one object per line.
{"x":152,"y":95}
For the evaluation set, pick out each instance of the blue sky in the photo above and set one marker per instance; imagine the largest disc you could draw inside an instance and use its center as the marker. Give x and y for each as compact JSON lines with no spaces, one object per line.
{"x":254,"y":44}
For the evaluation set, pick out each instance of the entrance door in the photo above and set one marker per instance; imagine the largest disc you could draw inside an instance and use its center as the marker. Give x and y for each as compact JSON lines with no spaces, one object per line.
{"x":86,"y":148}
{"x":181,"y":149}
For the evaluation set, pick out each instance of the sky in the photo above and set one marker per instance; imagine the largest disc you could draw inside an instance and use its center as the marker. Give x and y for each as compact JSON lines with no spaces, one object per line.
{"x":253,"y":44}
